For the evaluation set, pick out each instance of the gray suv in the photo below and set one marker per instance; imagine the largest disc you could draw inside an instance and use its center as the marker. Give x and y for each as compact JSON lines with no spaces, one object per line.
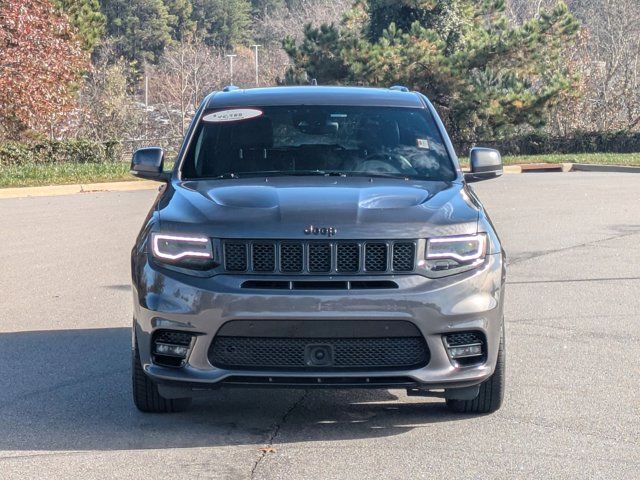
{"x":318,"y":237}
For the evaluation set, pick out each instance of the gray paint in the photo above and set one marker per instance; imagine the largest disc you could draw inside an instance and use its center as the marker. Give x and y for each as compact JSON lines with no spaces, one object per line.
{"x":281,"y":208}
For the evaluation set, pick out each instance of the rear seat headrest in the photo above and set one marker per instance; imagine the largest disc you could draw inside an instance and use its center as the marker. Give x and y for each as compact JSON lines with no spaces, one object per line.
{"x":254,"y":133}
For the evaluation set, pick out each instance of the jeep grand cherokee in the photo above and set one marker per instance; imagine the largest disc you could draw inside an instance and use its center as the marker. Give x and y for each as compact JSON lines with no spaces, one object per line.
{"x":317,"y":237}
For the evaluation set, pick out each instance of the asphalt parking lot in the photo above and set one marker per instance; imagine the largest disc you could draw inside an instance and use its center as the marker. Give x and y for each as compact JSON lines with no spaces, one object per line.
{"x":573,"y":340}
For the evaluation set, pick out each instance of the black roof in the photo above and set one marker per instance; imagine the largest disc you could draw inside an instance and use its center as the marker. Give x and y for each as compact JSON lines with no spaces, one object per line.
{"x":314,"y":95}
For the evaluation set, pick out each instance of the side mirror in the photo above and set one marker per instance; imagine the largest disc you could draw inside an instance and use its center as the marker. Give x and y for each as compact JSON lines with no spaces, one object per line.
{"x":486,"y":163}
{"x":148,"y":162}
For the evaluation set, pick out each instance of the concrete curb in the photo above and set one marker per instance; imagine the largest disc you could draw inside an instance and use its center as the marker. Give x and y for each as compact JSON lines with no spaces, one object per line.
{"x":505,"y":169}
{"x":585,"y":167}
{"x":512,"y":169}
{"x":57,"y":190}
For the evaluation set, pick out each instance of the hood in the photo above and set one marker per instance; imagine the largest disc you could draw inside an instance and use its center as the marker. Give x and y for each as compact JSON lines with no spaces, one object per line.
{"x":283,"y":207}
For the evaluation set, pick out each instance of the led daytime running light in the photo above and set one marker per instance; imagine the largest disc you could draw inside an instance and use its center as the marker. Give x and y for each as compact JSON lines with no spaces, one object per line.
{"x":480,"y":239}
{"x":188,"y":253}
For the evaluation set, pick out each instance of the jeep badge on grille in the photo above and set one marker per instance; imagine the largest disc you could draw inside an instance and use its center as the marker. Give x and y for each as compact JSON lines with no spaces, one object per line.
{"x":327,"y":231}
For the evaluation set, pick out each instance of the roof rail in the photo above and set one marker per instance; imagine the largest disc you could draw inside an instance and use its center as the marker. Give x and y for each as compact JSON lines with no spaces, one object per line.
{"x":230,"y":88}
{"x":399,"y":88}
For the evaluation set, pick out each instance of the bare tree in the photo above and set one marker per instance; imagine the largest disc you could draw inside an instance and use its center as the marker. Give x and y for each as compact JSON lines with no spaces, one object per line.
{"x":106,"y":111}
{"x":188,"y":72}
{"x":607,"y":58}
{"x":614,"y":51}
{"x":273,"y":28}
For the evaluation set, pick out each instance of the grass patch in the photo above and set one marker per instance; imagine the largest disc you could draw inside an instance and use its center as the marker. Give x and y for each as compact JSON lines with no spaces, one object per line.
{"x":627,"y":159}
{"x":32,"y":174}
{"x":38,"y":174}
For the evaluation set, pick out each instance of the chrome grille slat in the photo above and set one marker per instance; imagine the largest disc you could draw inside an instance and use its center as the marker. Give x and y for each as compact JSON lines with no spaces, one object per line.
{"x":318,"y":257}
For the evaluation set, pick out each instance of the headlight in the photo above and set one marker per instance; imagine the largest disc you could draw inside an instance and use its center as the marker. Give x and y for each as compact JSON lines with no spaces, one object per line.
{"x":457,"y":254}
{"x":182,"y":250}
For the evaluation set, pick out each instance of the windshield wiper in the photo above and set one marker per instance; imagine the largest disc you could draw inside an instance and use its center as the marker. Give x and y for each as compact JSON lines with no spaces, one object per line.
{"x":378,"y":174}
{"x":304,"y":173}
{"x":288,"y":173}
{"x":226,"y":175}
{"x":324,"y":173}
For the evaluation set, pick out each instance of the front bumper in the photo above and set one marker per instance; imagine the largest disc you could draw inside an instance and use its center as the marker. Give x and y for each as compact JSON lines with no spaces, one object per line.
{"x":164,"y":299}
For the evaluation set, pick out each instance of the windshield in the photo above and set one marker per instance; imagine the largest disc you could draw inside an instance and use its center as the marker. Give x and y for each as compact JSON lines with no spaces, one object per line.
{"x":318,"y":140}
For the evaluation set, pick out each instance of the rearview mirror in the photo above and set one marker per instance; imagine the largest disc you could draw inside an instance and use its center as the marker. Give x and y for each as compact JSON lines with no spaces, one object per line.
{"x":486,"y":163}
{"x":148,"y":162}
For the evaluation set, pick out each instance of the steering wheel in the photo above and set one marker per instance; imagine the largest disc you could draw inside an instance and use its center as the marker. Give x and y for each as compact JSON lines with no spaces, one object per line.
{"x":387,"y":163}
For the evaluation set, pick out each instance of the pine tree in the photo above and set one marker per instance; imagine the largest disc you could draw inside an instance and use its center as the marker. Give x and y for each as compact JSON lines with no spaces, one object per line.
{"x":139,"y":29}
{"x":487,"y":77}
{"x":180,"y":22}
{"x":266,"y":7}
{"x":86,"y":18}
{"x":223,"y":23}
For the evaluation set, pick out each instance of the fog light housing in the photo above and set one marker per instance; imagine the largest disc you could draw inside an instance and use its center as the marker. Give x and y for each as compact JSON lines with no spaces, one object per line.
{"x":465,"y":348}
{"x":171,"y":348}
{"x":465,"y":351}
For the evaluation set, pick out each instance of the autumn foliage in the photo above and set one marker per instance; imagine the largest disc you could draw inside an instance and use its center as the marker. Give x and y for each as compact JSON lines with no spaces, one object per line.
{"x":40,"y":65}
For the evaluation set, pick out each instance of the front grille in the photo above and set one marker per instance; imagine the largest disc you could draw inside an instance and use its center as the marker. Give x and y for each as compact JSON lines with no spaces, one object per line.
{"x":263,"y":257}
{"x":264,"y":353}
{"x":235,"y":256}
{"x":375,"y":259}
{"x":403,"y":255}
{"x":319,"y":257}
{"x":291,"y":257}
{"x":348,"y":257}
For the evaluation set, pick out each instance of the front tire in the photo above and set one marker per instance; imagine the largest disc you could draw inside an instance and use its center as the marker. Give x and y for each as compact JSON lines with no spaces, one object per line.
{"x":145,"y":392}
{"x":491,"y":393}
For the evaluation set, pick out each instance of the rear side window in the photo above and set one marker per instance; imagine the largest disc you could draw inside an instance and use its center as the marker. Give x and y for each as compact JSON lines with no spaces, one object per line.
{"x":298,"y":140}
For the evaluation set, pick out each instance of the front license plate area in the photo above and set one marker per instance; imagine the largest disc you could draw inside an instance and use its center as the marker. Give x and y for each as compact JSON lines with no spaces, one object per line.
{"x":318,"y":355}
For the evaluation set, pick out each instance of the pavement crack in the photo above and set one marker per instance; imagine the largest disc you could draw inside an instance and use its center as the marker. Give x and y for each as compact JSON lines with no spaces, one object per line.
{"x":533,"y":255}
{"x":275,"y":431}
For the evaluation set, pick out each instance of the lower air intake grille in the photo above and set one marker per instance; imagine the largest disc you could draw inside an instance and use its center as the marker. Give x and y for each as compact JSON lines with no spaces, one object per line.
{"x":293,"y":353}
{"x":173,"y":337}
{"x":464,"y":338}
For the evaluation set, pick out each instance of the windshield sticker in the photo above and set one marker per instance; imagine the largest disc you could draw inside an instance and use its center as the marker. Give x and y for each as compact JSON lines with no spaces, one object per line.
{"x":423,"y":143}
{"x":232,"y":115}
